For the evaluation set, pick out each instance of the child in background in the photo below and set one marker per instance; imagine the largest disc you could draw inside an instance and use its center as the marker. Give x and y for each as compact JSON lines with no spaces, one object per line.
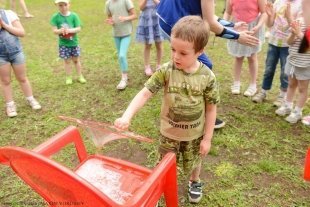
{"x":12,"y":56}
{"x":306,"y":15}
{"x":148,"y":32}
{"x":253,"y":13}
{"x":120,"y":15}
{"x":298,"y":70}
{"x":66,"y":25}
{"x":279,"y":22}
{"x":23,"y":6}
{"x":191,"y":93}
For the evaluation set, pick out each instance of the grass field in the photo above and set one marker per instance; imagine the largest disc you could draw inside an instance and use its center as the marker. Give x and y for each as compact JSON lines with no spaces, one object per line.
{"x":256,"y":159}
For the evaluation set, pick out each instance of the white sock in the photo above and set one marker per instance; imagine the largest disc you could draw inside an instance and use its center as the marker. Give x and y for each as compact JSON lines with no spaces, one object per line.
{"x":11,"y":103}
{"x":29,"y":98}
{"x":237,"y":83}
{"x":264,"y":91}
{"x":298,"y":110}
{"x":289,"y":104}
{"x":282,"y":93}
{"x":253,"y":86}
{"x":124,"y":76}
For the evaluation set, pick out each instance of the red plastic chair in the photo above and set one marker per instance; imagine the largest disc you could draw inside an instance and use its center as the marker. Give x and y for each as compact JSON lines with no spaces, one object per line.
{"x":307,"y":166}
{"x":97,"y":181}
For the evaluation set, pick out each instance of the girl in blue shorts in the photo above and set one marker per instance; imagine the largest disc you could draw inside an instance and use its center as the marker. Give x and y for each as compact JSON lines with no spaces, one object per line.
{"x":12,"y":56}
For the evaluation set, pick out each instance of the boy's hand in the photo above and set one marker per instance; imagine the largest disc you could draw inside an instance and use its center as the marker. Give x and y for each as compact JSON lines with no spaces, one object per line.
{"x":121,"y":123}
{"x":205,"y":146}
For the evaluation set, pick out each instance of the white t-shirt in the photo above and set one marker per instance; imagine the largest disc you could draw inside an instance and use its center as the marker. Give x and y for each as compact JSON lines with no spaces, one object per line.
{"x":11,"y":16}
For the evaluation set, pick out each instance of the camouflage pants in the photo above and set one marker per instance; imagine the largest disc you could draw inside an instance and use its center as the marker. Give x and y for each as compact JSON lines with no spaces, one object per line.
{"x":187,"y":153}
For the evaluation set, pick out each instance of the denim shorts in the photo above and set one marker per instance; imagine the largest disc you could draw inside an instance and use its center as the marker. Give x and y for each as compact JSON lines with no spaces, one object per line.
{"x":69,"y":52}
{"x":186,"y":151}
{"x":15,"y":59}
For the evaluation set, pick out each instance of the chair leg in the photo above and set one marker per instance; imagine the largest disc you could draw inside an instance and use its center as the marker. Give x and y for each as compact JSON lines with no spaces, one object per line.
{"x":171,"y":191}
{"x":307,"y":166}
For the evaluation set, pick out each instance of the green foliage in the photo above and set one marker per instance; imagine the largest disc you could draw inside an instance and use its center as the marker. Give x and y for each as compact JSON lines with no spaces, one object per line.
{"x":255,"y":160}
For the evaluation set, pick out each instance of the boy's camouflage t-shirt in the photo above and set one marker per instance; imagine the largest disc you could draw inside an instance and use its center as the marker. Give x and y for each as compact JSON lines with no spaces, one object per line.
{"x":185,"y":97}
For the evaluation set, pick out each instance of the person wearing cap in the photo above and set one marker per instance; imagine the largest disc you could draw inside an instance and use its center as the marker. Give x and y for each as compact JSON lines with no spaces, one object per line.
{"x":66,"y":25}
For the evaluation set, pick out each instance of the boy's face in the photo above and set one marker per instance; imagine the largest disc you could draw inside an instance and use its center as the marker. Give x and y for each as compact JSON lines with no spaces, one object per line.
{"x":63,"y":7}
{"x":183,"y":54}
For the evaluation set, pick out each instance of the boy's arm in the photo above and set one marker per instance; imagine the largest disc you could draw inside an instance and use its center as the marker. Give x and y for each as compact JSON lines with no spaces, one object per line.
{"x":135,"y":105}
{"x":205,"y":144}
{"x":74,"y":30}
{"x":58,"y":31}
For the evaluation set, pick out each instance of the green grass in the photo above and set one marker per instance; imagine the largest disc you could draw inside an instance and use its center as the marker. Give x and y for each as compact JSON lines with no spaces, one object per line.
{"x":256,"y":160}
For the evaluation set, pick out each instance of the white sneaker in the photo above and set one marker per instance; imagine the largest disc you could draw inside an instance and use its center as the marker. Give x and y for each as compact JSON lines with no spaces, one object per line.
{"x":294,"y":117}
{"x":250,"y":91}
{"x":11,"y":110}
{"x":122,"y":84}
{"x":283,"y":110}
{"x":235,"y":89}
{"x":34,"y":104}
{"x":259,"y":97}
{"x":279,"y":101}
{"x":306,"y":120}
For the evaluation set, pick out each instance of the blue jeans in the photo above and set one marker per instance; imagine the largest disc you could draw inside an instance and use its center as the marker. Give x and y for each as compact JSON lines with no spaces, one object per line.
{"x":273,"y":55}
{"x":10,"y":49}
{"x":166,"y":30}
{"x":122,"y":45}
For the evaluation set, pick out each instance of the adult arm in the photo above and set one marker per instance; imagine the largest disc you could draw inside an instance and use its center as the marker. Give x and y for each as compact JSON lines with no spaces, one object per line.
{"x":244,"y":37}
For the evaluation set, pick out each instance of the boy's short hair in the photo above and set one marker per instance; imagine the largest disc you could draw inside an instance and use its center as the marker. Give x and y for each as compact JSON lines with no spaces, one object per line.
{"x":192,"y":29}
{"x":62,"y":1}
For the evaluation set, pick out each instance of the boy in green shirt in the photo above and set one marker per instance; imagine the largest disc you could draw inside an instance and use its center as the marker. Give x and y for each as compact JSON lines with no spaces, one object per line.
{"x":66,"y":25}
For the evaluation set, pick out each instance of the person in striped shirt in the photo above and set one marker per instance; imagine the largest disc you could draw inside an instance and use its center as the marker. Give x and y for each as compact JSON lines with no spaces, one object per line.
{"x":298,"y":70}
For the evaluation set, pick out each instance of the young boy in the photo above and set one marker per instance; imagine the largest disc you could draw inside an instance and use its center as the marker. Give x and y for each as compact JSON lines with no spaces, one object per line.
{"x":191,"y":93}
{"x":279,"y":22}
{"x":66,"y":25}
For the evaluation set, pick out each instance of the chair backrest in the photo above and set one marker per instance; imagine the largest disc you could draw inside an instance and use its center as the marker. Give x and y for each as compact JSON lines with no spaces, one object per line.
{"x":307,"y":166}
{"x":58,"y":185}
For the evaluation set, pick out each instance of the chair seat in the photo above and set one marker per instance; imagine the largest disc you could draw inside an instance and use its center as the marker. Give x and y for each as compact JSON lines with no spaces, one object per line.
{"x":115,"y":178}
